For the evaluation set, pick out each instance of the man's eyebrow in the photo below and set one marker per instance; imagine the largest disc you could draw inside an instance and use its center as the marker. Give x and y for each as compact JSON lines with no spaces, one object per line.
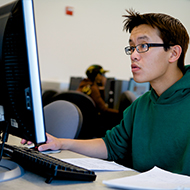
{"x":140,"y":38}
{"x":143,"y":37}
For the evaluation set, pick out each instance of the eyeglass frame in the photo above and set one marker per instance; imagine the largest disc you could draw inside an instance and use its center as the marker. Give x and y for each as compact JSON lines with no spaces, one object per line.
{"x":129,"y":52}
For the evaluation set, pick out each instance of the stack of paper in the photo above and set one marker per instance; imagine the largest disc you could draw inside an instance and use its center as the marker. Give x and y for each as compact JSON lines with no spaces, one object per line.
{"x":155,"y":179}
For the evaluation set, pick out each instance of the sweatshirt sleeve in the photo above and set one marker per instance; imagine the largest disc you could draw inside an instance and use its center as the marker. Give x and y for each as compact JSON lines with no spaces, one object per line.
{"x":118,"y":139}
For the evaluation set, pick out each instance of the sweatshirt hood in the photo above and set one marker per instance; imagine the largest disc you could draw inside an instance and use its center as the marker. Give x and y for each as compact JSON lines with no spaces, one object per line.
{"x":176,"y":92}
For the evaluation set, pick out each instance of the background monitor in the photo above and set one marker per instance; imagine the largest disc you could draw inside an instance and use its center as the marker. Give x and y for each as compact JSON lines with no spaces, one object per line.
{"x":113,"y":90}
{"x":21,"y":110}
{"x":74,"y":82}
{"x":138,"y":89}
{"x":109,"y":91}
{"x":120,"y":86}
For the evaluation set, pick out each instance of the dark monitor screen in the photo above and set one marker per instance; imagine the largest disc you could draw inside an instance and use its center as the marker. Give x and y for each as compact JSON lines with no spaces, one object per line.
{"x":120,"y":86}
{"x":138,"y":89}
{"x":74,"y":82}
{"x":21,"y":110}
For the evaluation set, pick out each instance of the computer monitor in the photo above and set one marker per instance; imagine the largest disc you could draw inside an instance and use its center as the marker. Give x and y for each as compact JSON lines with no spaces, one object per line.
{"x":120,"y":86}
{"x":74,"y":82}
{"x":109,"y":91}
{"x":21,"y":110}
{"x":138,"y":89}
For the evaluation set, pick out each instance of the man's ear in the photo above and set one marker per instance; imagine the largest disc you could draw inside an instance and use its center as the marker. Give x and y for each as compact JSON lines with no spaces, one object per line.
{"x":175,"y":53}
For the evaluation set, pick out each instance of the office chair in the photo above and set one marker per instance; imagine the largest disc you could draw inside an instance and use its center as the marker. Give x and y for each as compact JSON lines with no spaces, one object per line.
{"x":125,"y":100}
{"x":47,"y":96}
{"x":88,"y":109}
{"x":63,"y":119}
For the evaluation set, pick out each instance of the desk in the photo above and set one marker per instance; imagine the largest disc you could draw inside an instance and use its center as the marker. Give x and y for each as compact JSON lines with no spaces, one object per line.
{"x":31,"y":181}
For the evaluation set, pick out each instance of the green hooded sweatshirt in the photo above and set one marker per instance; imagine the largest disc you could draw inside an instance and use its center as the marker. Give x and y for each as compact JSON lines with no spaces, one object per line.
{"x":155,"y":131}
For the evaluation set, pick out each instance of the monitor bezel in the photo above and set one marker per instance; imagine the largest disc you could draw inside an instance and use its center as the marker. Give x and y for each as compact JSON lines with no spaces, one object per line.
{"x":31,"y":42}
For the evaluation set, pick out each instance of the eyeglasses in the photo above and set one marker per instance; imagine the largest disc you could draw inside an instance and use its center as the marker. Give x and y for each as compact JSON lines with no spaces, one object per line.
{"x":141,"y":48}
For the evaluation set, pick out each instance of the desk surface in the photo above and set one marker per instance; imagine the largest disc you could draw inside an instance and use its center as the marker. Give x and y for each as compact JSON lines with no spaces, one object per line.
{"x":35,"y":182}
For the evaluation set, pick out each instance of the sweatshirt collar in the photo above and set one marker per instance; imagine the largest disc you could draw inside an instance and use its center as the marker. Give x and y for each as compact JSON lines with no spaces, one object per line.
{"x":176,"y":92}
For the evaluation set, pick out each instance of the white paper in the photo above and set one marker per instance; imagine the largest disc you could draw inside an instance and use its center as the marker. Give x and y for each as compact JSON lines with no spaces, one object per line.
{"x":95,"y":164}
{"x":155,"y":179}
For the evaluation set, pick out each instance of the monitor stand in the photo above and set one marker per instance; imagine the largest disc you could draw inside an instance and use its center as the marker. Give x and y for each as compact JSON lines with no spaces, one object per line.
{"x":9,"y":170}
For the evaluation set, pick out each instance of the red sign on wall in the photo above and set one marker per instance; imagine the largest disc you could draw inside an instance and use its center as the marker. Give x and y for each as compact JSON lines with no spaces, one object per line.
{"x":69,"y":10}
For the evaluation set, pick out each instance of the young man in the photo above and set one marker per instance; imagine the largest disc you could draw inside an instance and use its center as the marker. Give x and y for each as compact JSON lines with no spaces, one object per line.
{"x":94,"y":86}
{"x":155,"y":129}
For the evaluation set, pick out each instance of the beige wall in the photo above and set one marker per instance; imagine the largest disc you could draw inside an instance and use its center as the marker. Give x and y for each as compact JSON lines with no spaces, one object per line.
{"x":69,"y":44}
